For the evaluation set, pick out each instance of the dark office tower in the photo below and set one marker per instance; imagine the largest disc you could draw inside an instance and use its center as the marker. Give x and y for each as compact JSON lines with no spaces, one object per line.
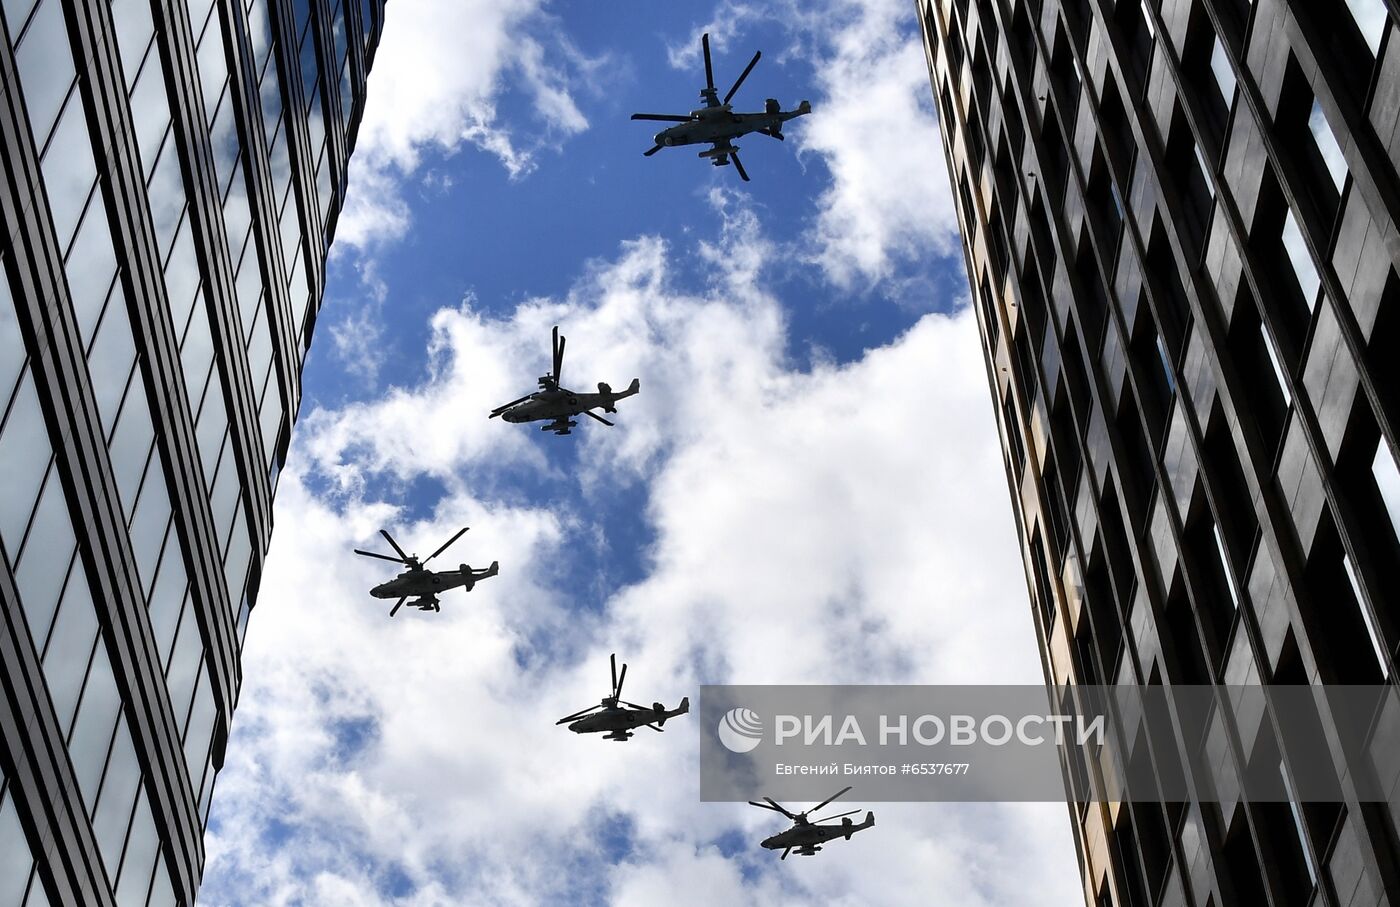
{"x":171,"y":176}
{"x":1180,"y":223}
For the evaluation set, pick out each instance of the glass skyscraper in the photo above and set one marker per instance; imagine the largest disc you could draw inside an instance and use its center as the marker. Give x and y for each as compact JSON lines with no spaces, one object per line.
{"x":170,"y":178}
{"x":1180,"y":230}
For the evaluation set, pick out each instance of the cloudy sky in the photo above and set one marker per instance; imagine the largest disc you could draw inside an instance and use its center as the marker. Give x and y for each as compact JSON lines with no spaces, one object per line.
{"x":808,"y":489}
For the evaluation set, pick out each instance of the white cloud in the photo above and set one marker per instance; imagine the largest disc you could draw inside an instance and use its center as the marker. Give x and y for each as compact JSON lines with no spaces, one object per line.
{"x":830,"y":525}
{"x":439,"y":72}
{"x":889,"y":201}
{"x":873,"y":125}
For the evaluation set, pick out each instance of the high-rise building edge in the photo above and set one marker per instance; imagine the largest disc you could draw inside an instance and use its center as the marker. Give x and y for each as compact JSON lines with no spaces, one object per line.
{"x":170,"y":178}
{"x":1180,"y":230}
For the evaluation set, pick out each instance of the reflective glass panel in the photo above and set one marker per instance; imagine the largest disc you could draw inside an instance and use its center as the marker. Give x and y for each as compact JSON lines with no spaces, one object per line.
{"x":11,"y":341}
{"x":24,"y":456}
{"x":210,"y":429}
{"x":111,"y":361}
{"x":1327,"y":145}
{"x":260,"y":33}
{"x":168,"y":595}
{"x":15,"y":858}
{"x":137,"y":863}
{"x":185,"y":666}
{"x":200,"y":730}
{"x":134,"y":30}
{"x":240,"y":550}
{"x":70,"y":646}
{"x":70,"y":173}
{"x":43,"y":561}
{"x":1371,"y":17}
{"x":150,"y":114}
{"x":90,"y":268}
{"x":45,"y":63}
{"x":131,"y":446}
{"x":182,"y":278}
{"x":97,"y":716}
{"x":166,"y":195}
{"x":224,"y":497}
{"x":162,"y":892}
{"x":224,"y":142}
{"x":118,"y":796}
{"x":149,"y":522}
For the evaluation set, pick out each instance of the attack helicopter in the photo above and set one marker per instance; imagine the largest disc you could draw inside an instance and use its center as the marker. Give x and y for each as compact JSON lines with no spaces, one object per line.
{"x":611,"y":716}
{"x":807,"y":836}
{"x":558,"y":404}
{"x":421,"y":583}
{"x":716,"y":122}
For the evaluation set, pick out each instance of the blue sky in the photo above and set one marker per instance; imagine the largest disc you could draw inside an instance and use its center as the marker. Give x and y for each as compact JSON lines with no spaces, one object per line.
{"x":807,"y":490}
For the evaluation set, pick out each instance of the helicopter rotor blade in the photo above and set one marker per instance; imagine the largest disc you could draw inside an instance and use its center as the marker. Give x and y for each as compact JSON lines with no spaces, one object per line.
{"x":654,"y":149}
{"x":568,"y":718}
{"x":709,"y":68}
{"x":828,"y":799}
{"x":382,"y":557}
{"x":743,"y":174}
{"x":839,"y":815}
{"x":621,"y":679}
{"x":662,"y":117}
{"x":742,"y":76}
{"x":397,"y":605}
{"x":446,"y":544}
{"x":785,"y":853}
{"x":500,"y":409}
{"x":393,"y":544}
{"x":775,"y":805}
{"x":612,"y":660}
{"x":640,"y":708}
{"x":655,"y":728}
{"x":592,"y":415}
{"x":767,"y":806}
{"x":558,"y":353}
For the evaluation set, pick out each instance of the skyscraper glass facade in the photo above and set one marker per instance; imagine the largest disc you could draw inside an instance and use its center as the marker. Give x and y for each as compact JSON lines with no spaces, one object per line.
{"x":172,"y":174}
{"x":1179,"y":222}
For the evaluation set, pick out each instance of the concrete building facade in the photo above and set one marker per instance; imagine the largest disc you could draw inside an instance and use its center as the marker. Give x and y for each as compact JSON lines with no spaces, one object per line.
{"x":1180,"y":224}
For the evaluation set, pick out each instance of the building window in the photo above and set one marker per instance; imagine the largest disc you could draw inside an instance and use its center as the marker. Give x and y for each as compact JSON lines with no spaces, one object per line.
{"x":1298,"y":823}
{"x":1278,"y":369}
{"x":1387,"y":477}
{"x":1134,"y":23}
{"x":1370,"y":17}
{"x":1224,"y":72}
{"x":1366,"y":618}
{"x":1225,"y":565}
{"x":1296,"y":248}
{"x":1327,"y":146}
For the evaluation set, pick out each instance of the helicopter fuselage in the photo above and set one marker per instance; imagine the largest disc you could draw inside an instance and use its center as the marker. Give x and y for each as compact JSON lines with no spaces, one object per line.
{"x":617,"y":721}
{"x":720,"y":124}
{"x":805,"y":836}
{"x":424,"y":582}
{"x":560,"y":403}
